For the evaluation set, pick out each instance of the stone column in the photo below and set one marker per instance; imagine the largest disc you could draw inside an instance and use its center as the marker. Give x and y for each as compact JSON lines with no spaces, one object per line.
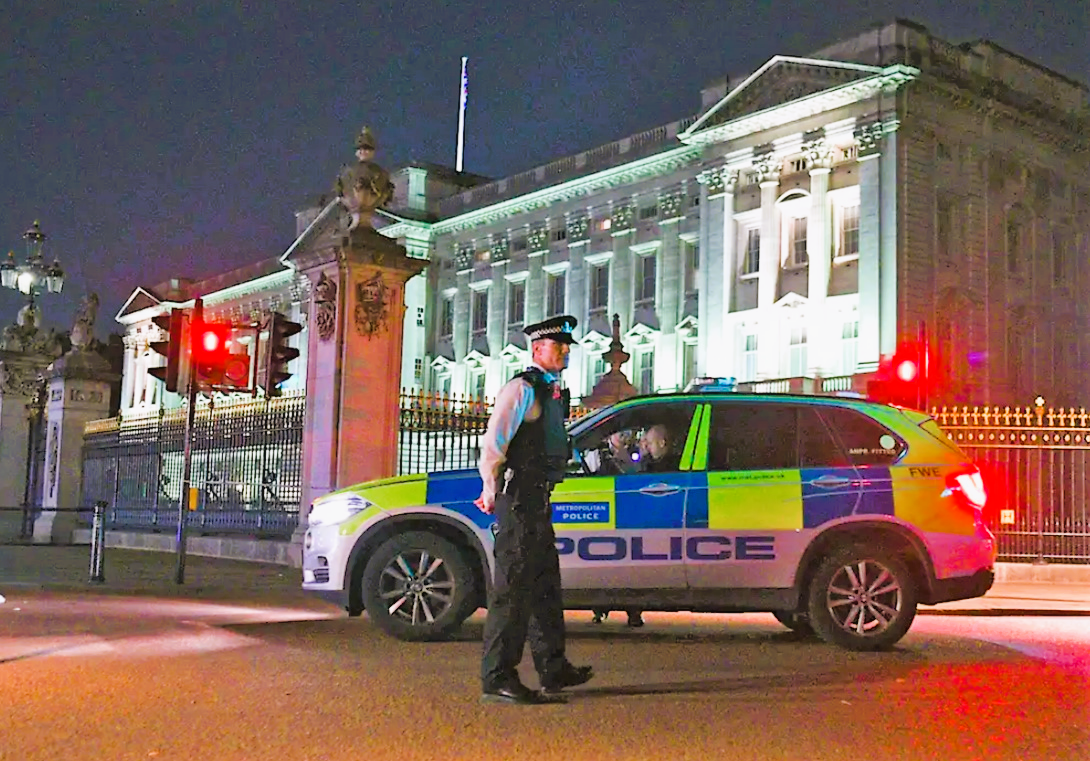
{"x":497,"y":329}
{"x":461,"y":330}
{"x":723,"y":358}
{"x":620,"y":266}
{"x":818,"y":252}
{"x":671,"y":288}
{"x":128,"y":384}
{"x":535,"y":288}
{"x":768,"y":171}
{"x":79,"y":392}
{"x":869,"y":350}
{"x":578,"y":361}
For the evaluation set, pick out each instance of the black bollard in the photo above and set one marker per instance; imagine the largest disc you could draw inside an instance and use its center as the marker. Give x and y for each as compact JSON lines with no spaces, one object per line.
{"x":98,"y":542}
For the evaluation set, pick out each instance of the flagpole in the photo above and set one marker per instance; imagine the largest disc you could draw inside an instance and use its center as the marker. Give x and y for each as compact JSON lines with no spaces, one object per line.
{"x":462,"y":97}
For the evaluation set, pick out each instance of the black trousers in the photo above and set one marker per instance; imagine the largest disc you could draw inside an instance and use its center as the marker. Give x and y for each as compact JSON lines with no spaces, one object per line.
{"x":525,"y":601}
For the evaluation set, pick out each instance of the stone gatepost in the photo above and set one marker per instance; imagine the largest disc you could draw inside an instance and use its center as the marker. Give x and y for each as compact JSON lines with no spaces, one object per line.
{"x":78,"y":392}
{"x":25,"y":350}
{"x":354,"y":342}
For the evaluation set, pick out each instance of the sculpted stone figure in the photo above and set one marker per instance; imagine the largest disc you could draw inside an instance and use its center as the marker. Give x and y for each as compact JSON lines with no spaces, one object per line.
{"x":83,"y":331}
{"x":364,"y":186}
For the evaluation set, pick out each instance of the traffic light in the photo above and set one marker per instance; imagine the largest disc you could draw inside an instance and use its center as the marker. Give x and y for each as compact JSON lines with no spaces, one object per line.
{"x":236,"y":371}
{"x":279,"y":354}
{"x":173,"y":325}
{"x":210,"y":352}
{"x":902,"y":378}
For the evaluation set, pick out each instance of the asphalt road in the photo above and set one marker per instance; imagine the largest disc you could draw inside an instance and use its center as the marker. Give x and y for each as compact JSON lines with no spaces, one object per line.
{"x":125,"y":677}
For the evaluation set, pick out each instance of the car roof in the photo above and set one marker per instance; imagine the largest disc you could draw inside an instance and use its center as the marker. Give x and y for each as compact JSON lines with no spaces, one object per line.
{"x":828,"y":400}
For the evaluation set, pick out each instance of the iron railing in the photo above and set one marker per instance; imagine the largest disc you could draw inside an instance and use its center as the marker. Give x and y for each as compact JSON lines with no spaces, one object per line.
{"x":1035,"y":463}
{"x":246,"y":466}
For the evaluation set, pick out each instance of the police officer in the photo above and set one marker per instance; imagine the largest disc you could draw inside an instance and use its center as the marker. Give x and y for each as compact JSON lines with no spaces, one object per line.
{"x":523,"y":455}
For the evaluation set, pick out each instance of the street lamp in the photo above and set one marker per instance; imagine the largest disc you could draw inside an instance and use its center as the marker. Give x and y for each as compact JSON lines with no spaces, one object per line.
{"x":31,"y":275}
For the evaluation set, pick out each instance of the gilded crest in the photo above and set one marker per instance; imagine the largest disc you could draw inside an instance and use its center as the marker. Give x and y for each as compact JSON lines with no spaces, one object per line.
{"x":371,"y":298}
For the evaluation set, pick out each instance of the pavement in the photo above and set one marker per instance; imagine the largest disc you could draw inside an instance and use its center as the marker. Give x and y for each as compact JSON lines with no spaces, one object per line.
{"x":1022,"y":589}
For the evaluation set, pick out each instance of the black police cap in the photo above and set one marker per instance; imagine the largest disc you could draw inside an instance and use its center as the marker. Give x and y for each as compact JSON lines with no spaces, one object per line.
{"x":557,"y":328}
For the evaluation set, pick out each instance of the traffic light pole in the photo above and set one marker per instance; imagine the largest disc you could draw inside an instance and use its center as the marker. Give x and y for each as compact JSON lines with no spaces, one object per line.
{"x":187,"y":456}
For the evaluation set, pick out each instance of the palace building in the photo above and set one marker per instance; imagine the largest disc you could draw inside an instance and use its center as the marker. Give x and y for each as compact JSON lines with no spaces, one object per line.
{"x":795,"y":228}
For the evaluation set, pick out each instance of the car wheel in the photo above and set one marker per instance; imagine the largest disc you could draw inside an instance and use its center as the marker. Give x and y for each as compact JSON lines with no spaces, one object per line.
{"x":862,"y":599}
{"x":796,"y":622}
{"x":418,"y":586}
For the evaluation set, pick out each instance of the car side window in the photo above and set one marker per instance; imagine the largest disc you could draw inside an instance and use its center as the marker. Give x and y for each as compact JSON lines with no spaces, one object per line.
{"x":648,"y":438}
{"x":753,"y":437}
{"x":817,"y":447}
{"x":866,"y":441}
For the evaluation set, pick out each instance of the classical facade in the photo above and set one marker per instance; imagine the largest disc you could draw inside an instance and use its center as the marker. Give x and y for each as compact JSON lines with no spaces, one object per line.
{"x":809,"y":217}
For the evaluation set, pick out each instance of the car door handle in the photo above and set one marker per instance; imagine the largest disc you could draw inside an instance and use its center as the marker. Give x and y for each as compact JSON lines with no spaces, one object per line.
{"x":659,"y":490}
{"x":831,"y":482}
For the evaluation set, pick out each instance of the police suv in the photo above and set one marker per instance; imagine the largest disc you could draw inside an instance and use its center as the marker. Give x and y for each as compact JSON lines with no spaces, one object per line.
{"x":837,"y":515}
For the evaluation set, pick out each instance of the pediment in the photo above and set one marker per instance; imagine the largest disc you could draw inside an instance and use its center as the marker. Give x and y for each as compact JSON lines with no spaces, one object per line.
{"x":139,"y":300}
{"x":780,"y":81}
{"x":791,"y":300}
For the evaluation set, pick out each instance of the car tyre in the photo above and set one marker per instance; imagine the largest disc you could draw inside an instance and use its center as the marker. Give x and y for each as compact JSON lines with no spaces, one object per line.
{"x":417,"y":587}
{"x":796,"y":622}
{"x":862,"y":599}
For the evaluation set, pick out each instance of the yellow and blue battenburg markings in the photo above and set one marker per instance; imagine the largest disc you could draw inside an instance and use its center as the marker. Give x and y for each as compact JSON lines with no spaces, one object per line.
{"x":765,"y":500}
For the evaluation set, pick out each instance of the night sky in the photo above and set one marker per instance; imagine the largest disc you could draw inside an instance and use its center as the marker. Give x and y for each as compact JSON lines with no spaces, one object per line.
{"x":156,"y":139}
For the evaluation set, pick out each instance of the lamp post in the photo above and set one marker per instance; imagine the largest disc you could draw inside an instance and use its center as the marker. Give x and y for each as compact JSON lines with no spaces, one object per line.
{"x":30,"y":276}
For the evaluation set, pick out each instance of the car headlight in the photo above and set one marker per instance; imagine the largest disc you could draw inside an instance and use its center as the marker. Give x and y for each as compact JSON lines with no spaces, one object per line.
{"x":336,"y":509}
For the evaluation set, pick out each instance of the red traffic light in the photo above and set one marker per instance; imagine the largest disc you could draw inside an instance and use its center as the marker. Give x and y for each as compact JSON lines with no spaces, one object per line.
{"x":906,"y":370}
{"x":212,"y":339}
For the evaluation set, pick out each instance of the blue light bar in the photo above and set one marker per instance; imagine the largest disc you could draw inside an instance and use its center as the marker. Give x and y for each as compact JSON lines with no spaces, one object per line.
{"x":712,"y":385}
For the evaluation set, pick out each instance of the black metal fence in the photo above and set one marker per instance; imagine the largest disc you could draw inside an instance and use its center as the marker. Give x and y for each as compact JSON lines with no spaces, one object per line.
{"x":1035,"y":463}
{"x":247,"y":459}
{"x":439,"y":432}
{"x":246,"y":466}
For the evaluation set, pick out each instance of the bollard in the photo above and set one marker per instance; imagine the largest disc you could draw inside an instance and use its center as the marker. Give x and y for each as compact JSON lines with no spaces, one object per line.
{"x":98,"y":542}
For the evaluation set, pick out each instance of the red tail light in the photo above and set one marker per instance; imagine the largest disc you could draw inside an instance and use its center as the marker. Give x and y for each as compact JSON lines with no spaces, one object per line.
{"x":969,"y":484}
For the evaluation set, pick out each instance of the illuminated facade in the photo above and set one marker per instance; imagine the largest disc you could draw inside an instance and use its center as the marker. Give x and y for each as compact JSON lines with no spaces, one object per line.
{"x":809,"y":217}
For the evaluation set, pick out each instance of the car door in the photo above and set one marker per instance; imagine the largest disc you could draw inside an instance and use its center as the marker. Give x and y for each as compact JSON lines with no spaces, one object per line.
{"x":621,"y":527}
{"x":774,"y":471}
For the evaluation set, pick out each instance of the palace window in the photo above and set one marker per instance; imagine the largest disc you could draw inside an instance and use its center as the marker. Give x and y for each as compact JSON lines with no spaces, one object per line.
{"x":796,"y":242}
{"x":480,"y":311}
{"x":516,"y":305}
{"x":944,"y":228}
{"x":688,"y":363}
{"x":645,"y":280}
{"x":751,"y":256}
{"x":749,"y":356}
{"x":479,"y":378}
{"x":797,"y":351}
{"x":645,"y":371}
{"x":556,"y":294}
{"x":849,"y":346}
{"x":1061,"y":256}
{"x":1014,"y":242}
{"x":690,"y":252}
{"x":649,"y":212}
{"x":848,"y":241}
{"x":446,"y":317}
{"x":599,"y":289}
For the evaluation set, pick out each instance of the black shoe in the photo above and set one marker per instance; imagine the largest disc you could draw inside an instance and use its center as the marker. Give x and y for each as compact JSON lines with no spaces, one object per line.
{"x":635,"y":620}
{"x":569,"y":676}
{"x":517,"y":694}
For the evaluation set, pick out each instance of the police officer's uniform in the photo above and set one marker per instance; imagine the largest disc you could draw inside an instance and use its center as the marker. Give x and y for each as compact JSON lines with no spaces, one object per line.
{"x":524,"y":454}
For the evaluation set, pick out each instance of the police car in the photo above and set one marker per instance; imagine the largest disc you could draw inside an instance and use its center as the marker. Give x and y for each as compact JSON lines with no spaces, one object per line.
{"x":837,"y":515}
